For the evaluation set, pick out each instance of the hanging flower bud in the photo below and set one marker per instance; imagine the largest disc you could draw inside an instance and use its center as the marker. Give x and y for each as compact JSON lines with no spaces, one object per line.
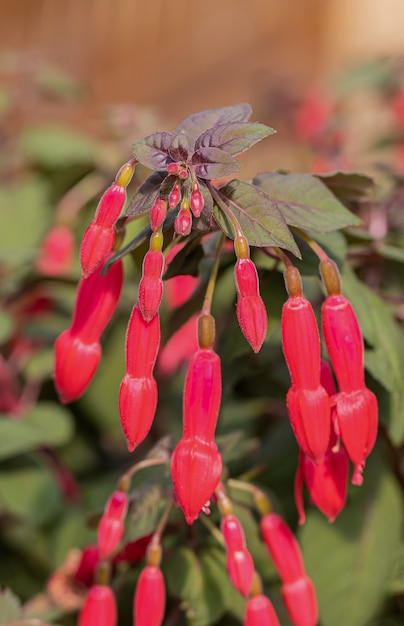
{"x":150,"y":597}
{"x":307,"y":401}
{"x":260,"y":612}
{"x":77,"y":349}
{"x":196,"y":467}
{"x":282,"y":547}
{"x":174,"y":196}
{"x":158,"y":213}
{"x":356,"y":410}
{"x":300,"y":601}
{"x":251,"y":312}
{"x":111,"y":526}
{"x":99,"y":608}
{"x":151,"y":284}
{"x":98,"y":239}
{"x":56,"y":255}
{"x":138,"y":391}
{"x":183,"y":220}
{"x":239,"y":562}
{"x":196,"y":200}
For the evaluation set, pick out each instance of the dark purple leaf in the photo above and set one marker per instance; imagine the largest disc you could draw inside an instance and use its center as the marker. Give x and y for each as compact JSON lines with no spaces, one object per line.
{"x":145,"y":195}
{"x":214,"y":163}
{"x":258,"y":216}
{"x":203,"y":222}
{"x":179,"y":149}
{"x":305,"y":202}
{"x":154,"y":151}
{"x":233,"y":137}
{"x":196,"y":124}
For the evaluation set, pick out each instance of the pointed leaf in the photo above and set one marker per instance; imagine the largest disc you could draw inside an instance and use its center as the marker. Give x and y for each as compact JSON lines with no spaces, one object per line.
{"x":350,"y":560}
{"x":179,"y":148}
{"x":258,"y":216}
{"x":145,"y":196}
{"x":214,"y":163}
{"x":153,"y":151}
{"x":196,"y":124}
{"x":10,"y":607}
{"x":147,"y":506}
{"x":186,"y":261}
{"x":234,"y":137}
{"x":47,"y":424}
{"x":349,"y":187}
{"x":305,"y":202}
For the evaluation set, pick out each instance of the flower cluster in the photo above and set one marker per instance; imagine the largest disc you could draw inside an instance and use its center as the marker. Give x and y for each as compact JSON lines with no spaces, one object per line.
{"x":330,"y":426}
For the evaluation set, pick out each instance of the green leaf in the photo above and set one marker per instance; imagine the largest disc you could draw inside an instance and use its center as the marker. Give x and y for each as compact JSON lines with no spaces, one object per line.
{"x":153,"y":150}
{"x":234,"y":137}
{"x":6,"y":326}
{"x":385,"y":359}
{"x":258,"y":216}
{"x":349,"y":561}
{"x":196,"y":124}
{"x":183,"y":575}
{"x":186,"y":261}
{"x":349,"y":187}
{"x":147,"y":506}
{"x":31,"y":494}
{"x":47,"y":424}
{"x":145,"y":196}
{"x":19,"y":238}
{"x":55,"y":147}
{"x":305,"y":202}
{"x":214,"y":163}
{"x":10,"y":607}
{"x":396,"y":578}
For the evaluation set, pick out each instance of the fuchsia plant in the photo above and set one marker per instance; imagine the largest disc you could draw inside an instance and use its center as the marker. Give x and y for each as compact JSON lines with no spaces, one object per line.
{"x":185,"y":205}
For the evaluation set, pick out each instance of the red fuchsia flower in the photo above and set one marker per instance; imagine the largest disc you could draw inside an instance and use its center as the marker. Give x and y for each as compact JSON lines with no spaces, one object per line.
{"x":78,"y":349}
{"x":57,"y":251}
{"x":196,"y":200}
{"x":151,"y":284}
{"x":158,"y":213}
{"x":260,"y":612}
{"x":239,"y":562}
{"x":307,"y":401}
{"x":111,"y":526}
{"x":175,"y":196}
{"x":138,"y":390}
{"x":98,"y":239}
{"x":150,"y":597}
{"x":282,"y":547}
{"x":99,"y":608}
{"x":300,"y":601}
{"x":85,"y":571}
{"x":196,"y":463}
{"x":251,"y":312}
{"x":326,"y":482}
{"x":356,"y":411}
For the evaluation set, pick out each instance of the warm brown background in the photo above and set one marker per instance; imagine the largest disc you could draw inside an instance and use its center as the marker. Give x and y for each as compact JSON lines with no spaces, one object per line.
{"x":179,"y":56}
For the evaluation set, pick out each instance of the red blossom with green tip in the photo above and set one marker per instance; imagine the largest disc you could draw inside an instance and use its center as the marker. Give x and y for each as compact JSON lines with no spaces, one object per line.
{"x":151,"y":284}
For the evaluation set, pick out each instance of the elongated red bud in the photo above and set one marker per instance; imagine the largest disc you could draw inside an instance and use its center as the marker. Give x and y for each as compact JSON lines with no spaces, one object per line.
{"x":344,"y":342}
{"x":142,"y":344}
{"x":282,"y":547}
{"x":99,"y":608}
{"x":260,"y":612}
{"x":239,"y":562}
{"x":196,"y":200}
{"x":56,"y":255}
{"x":300,"y":600}
{"x":196,"y":467}
{"x":202,"y":395}
{"x":158,"y":213}
{"x":151,"y":284}
{"x":77,"y":350}
{"x":98,"y":239}
{"x":251,"y":312}
{"x":175,"y":196}
{"x":150,"y":598}
{"x":183,"y":222}
{"x":111,"y":526}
